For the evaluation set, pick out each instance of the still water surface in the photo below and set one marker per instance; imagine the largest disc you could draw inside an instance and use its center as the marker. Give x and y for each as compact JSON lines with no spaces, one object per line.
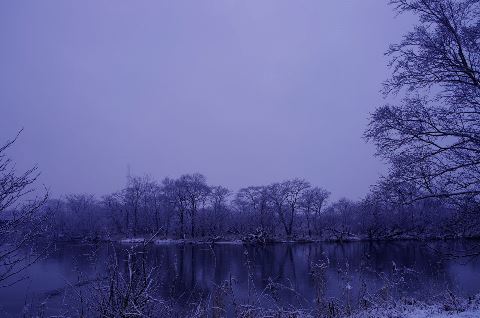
{"x":283,"y":271}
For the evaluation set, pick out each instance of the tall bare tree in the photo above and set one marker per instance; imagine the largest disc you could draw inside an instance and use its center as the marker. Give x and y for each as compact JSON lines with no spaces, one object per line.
{"x":175,"y":197}
{"x":133,"y":195}
{"x":432,"y":137}
{"x":285,"y":197}
{"x":118,"y":214}
{"x":255,"y":199}
{"x":312,"y":202}
{"x":219,"y":207}
{"x":21,"y":220}
{"x":85,"y":212}
{"x":195,"y":187}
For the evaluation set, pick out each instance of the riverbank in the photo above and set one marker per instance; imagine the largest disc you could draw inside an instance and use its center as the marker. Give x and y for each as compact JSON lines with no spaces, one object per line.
{"x":251,"y":240}
{"x":451,"y":308}
{"x":210,"y":241}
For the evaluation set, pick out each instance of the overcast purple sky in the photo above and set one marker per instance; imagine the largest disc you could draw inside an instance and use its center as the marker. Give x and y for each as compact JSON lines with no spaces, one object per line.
{"x":245,"y":92}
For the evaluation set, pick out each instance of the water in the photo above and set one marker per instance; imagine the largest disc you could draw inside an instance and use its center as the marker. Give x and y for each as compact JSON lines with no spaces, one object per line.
{"x":281,"y":273}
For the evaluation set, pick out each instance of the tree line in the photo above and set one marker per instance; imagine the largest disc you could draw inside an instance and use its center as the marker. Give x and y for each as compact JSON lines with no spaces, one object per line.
{"x":189,"y":208}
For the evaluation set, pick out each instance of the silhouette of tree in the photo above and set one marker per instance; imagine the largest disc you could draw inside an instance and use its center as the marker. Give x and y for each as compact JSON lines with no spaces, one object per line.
{"x":432,"y":137}
{"x":21,"y":220}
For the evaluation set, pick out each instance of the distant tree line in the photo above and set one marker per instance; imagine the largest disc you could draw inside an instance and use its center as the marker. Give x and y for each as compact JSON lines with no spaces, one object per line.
{"x":189,"y":208}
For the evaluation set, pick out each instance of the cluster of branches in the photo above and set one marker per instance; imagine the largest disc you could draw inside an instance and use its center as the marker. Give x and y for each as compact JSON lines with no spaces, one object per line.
{"x":431,"y":137}
{"x":20,"y":219}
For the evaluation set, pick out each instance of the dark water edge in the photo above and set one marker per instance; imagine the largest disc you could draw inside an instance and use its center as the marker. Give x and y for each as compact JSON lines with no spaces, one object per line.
{"x":271,"y":240}
{"x":283,"y":273}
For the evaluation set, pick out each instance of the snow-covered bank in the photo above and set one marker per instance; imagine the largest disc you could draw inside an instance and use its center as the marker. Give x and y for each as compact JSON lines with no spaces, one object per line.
{"x":430,"y":312}
{"x":460,"y":308}
{"x":178,"y":241}
{"x":249,"y":241}
{"x":137,"y":240}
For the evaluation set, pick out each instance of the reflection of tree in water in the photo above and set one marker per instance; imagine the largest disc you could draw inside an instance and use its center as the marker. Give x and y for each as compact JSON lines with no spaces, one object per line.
{"x":189,"y":272}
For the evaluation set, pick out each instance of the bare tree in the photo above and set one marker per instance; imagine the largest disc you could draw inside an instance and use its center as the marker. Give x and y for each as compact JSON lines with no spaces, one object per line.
{"x":118,"y":215}
{"x":196,"y":190}
{"x":134,"y":200}
{"x":285,"y":197}
{"x":343,"y":217}
{"x":130,"y":286}
{"x":175,"y":196}
{"x":432,"y":138}
{"x":85,"y":212}
{"x":219,"y":206}
{"x":311,"y":203}
{"x":154,"y":202}
{"x":20,"y":218}
{"x":255,"y":199}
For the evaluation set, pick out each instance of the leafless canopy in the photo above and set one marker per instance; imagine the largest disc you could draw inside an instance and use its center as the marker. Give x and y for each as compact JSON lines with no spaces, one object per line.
{"x":20,"y":221}
{"x":432,"y":137}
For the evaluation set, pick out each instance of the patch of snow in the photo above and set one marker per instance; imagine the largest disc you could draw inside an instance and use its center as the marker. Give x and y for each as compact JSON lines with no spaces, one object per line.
{"x":419,"y":310}
{"x":168,"y":241}
{"x":133,"y":240}
{"x":234,"y":242}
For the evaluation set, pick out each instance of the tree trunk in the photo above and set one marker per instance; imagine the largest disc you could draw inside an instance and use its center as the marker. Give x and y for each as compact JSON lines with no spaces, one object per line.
{"x":192,"y":234}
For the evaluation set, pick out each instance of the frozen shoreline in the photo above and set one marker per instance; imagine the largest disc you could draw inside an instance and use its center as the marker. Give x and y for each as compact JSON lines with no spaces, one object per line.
{"x":238,"y":241}
{"x":179,"y":241}
{"x":464,"y":309}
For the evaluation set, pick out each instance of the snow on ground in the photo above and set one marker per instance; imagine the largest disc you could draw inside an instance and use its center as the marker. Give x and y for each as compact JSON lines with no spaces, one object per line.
{"x":133,"y":240}
{"x":167,"y":241}
{"x":139,"y":240}
{"x":234,"y":242}
{"x":170,"y":241}
{"x":419,"y":313}
{"x":419,"y":310}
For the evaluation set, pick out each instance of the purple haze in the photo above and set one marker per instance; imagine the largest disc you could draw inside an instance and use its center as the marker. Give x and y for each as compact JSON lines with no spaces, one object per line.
{"x":245,"y":92}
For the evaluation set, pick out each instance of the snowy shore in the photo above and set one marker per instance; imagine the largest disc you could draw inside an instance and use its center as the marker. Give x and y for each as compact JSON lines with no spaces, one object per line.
{"x":461,"y":309}
{"x":240,"y":241}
